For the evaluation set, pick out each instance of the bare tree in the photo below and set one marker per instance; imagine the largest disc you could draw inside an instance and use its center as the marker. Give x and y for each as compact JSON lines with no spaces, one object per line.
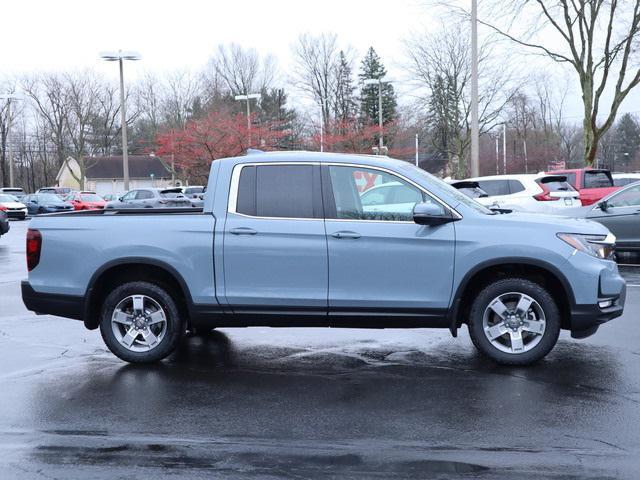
{"x":440,"y":62}
{"x":242,"y":70}
{"x":316,"y":60}
{"x":181,"y":91}
{"x":596,"y":38}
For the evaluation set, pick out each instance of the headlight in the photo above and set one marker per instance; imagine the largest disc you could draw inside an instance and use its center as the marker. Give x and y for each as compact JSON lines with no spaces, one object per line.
{"x":600,"y":246}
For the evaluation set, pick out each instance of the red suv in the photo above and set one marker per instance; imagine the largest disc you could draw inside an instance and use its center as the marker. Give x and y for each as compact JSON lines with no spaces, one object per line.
{"x":593,"y":184}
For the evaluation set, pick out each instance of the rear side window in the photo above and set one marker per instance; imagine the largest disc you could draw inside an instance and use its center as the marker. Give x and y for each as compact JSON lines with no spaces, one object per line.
{"x":516,"y":186}
{"x":571,"y":178}
{"x":281,"y":191}
{"x":495,"y":187}
{"x":597,"y":179}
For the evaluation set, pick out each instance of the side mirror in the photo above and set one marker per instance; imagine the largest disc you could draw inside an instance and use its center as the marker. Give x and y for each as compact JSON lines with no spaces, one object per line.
{"x":604,"y":206}
{"x":431,"y":214}
{"x":120,"y":199}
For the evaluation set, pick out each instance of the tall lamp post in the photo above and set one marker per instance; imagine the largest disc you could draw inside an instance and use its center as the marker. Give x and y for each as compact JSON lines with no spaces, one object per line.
{"x":248,"y":98}
{"x":8,"y":97}
{"x":379,"y":82}
{"x":120,"y":56}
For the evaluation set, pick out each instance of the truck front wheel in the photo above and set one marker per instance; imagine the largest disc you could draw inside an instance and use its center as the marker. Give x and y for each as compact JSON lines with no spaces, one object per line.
{"x":140,"y":322}
{"x":514,"y":321}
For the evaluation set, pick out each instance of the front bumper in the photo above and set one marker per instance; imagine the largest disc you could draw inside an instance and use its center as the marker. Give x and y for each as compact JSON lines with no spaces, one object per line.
{"x":612,"y":290}
{"x":20,"y":214}
{"x":69,"y":306}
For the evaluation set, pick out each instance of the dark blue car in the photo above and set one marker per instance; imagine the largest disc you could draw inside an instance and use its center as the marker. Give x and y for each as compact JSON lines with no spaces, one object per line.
{"x":39,"y":203}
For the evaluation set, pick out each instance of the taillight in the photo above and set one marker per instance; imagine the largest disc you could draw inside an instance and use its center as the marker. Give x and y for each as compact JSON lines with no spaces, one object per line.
{"x":3,"y":208}
{"x":545,"y":196}
{"x":34,"y":246}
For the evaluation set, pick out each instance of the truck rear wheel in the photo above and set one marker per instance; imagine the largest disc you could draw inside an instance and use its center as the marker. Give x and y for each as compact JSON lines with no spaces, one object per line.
{"x":140,"y":322}
{"x":514,"y":321}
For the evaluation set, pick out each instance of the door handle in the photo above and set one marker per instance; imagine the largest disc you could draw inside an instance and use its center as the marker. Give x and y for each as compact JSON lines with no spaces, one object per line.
{"x":346,"y":234}
{"x":243,"y":231}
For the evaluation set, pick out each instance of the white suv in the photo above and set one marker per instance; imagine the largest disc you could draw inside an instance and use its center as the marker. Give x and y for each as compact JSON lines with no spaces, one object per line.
{"x":538,"y":193}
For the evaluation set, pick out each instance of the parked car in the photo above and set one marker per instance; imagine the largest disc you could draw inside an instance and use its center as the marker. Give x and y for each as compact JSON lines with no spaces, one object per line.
{"x":62,"y":192}
{"x":592,"y":184}
{"x":16,"y":192}
{"x":151,"y":198}
{"x":38,"y":203}
{"x":285,"y":240}
{"x":4,"y":223}
{"x":12,"y":207}
{"x":469,"y":188}
{"x":620,"y":213}
{"x":193,"y":191}
{"x":535,"y":193}
{"x":622,"y":179}
{"x":86,"y":201}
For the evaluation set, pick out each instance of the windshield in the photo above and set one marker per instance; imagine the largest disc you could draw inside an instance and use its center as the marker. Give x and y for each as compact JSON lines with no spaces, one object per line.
{"x":49,"y":198}
{"x":90,"y":197}
{"x":192,"y":190}
{"x":460,"y":197}
{"x":7,"y":198}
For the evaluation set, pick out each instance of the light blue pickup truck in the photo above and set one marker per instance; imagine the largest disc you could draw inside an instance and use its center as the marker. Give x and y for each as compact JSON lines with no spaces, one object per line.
{"x":310,"y":239}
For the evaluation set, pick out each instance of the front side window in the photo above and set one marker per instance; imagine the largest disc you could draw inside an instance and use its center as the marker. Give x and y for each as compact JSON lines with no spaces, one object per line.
{"x":129,"y":196}
{"x":369,"y":194}
{"x":278,"y":191}
{"x":627,"y":198}
{"x":144,"y":195}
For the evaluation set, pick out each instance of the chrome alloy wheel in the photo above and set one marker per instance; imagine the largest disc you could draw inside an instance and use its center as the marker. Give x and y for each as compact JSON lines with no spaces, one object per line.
{"x":514,"y":323}
{"x":139,"y":323}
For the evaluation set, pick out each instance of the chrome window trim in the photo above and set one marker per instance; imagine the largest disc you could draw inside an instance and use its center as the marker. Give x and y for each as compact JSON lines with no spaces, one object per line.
{"x":235,"y":182}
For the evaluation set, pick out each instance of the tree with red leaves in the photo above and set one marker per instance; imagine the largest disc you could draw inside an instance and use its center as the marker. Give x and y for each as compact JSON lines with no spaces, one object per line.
{"x":219,"y":134}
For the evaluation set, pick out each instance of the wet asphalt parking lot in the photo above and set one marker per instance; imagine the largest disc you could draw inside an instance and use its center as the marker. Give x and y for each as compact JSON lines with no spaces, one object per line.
{"x":263,"y":403}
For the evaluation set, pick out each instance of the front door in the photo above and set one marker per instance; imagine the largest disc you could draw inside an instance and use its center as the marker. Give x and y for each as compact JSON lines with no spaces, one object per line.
{"x":380,"y":261}
{"x":275,"y":247}
{"x":622,"y":217}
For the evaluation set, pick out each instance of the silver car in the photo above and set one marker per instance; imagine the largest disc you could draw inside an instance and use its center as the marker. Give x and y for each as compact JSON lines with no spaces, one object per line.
{"x":151,"y":198}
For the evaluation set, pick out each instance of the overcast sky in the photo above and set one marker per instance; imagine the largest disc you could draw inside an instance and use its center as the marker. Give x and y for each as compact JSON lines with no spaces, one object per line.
{"x":69,"y":34}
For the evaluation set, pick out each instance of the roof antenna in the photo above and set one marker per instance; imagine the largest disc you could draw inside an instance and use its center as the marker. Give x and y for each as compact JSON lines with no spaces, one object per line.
{"x":254,"y":151}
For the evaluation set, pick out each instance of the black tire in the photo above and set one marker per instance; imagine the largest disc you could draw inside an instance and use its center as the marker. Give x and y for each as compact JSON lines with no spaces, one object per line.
{"x":174,"y":328}
{"x":532,"y":290}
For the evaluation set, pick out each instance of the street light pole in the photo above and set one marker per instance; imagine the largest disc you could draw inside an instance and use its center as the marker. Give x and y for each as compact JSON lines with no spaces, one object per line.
{"x":417,"y":156}
{"x":120,"y":56}
{"x":8,"y":97}
{"x":475,"y":129}
{"x":248,"y":98}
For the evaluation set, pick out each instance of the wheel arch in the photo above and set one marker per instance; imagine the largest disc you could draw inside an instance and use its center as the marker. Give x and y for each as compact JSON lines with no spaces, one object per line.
{"x":544,"y":273}
{"x":134,"y":269}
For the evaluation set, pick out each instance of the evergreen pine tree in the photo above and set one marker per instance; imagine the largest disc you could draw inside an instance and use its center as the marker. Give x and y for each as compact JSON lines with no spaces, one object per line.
{"x":627,"y":139}
{"x":372,"y":67}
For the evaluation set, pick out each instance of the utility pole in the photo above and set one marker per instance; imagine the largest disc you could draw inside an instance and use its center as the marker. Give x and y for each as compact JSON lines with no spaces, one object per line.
{"x":497,"y":135}
{"x":8,"y":97}
{"x":248,"y":97}
{"x":504,"y":148}
{"x":475,"y":129}
{"x":379,"y":82}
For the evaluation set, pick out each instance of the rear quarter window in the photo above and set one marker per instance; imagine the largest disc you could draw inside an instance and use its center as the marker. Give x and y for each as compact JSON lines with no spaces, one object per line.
{"x":516,"y":186}
{"x":597,"y":180}
{"x":495,"y":187}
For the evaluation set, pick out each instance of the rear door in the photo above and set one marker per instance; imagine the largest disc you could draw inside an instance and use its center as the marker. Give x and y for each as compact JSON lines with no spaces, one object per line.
{"x":381,"y":263}
{"x":275,"y":246}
